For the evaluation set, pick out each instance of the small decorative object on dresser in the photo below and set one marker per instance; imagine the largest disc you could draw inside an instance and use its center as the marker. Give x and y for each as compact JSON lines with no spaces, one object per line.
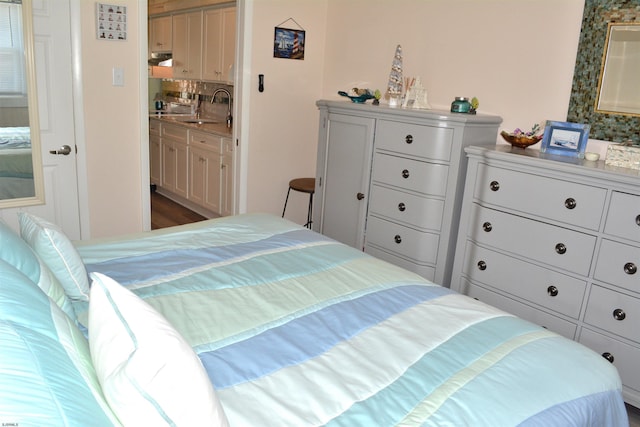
{"x":556,"y":242}
{"x":624,"y":155}
{"x":566,"y":139}
{"x":521,"y":139}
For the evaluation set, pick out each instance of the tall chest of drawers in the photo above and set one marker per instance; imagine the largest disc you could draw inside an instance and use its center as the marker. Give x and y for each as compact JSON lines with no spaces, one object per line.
{"x":556,"y":241}
{"x":389,"y":180}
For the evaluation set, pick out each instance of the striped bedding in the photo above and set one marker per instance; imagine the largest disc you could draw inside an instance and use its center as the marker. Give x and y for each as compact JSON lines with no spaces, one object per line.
{"x":295,"y":329}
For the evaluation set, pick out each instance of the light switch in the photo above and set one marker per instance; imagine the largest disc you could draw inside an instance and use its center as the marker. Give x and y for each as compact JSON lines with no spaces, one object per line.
{"x":118,"y":76}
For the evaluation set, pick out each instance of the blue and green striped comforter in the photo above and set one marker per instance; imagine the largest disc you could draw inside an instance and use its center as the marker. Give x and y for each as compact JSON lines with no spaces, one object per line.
{"x":296,"y":329}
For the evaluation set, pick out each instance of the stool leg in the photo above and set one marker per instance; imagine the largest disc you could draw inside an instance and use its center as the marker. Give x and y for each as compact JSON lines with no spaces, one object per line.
{"x":285,"y":202}
{"x":309,"y":212}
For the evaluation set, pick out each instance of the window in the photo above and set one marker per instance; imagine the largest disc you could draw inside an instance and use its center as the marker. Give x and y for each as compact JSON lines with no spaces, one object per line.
{"x":12,"y":70}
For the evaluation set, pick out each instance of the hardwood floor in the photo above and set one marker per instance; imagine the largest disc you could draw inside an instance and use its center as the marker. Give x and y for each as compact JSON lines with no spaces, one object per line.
{"x":167,"y":213}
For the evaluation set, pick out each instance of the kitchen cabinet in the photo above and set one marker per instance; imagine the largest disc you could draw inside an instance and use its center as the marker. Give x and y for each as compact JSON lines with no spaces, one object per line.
{"x":160,"y":34}
{"x":556,"y":241}
{"x":389,"y":180}
{"x":227,"y":190}
{"x":205,"y":163}
{"x":175,"y":167}
{"x":187,"y":45}
{"x":155,"y":150}
{"x":219,"y":37}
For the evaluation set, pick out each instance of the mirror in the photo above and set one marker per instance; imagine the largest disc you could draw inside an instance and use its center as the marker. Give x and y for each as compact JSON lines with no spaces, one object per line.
{"x":619,"y":83}
{"x":20,"y":159}
{"x":584,"y":104}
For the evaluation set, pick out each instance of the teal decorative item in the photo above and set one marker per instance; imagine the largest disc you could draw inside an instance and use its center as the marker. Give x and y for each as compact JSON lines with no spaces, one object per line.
{"x":359,"y":99}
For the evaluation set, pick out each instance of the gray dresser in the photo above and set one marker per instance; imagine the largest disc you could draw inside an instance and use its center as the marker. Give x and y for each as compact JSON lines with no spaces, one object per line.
{"x":389,"y":180}
{"x":556,"y":241}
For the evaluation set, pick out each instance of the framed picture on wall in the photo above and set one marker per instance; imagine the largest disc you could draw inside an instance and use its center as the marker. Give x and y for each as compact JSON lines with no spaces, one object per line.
{"x":288,"y":43}
{"x":566,"y":139}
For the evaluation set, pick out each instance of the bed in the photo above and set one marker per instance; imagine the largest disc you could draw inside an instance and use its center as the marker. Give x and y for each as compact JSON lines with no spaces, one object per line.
{"x":16,"y":166}
{"x":294,"y":328}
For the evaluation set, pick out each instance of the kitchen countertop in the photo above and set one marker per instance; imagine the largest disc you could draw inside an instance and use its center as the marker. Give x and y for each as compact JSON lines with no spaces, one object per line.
{"x":216,"y":128}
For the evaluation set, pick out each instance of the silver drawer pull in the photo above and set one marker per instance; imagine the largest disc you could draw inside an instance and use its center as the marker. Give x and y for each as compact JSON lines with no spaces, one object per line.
{"x":494,"y":185}
{"x":608,"y":356}
{"x":630,"y":268}
{"x":408,"y":139}
{"x":619,"y":314}
{"x":561,"y":248}
{"x":482,"y":265}
{"x":397,"y":239}
{"x":552,"y":291}
{"x":402,"y":207}
{"x":405,"y":173}
{"x":570,"y":203}
{"x":487,"y":226}
{"x":638,"y":220}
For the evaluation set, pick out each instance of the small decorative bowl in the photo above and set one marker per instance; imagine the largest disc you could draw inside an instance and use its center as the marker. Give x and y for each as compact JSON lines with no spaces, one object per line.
{"x":359,"y":99}
{"x":520,"y":141}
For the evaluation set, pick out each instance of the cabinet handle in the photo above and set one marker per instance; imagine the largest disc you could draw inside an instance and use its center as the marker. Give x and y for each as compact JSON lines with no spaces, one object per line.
{"x":552,"y":291}
{"x":630,"y":268}
{"x":619,"y":314}
{"x":487,"y":226}
{"x":570,"y":203}
{"x":638,"y":220}
{"x":405,"y":173}
{"x":561,"y":248}
{"x":360,"y":196}
{"x":608,"y":356}
{"x":402,"y":207}
{"x":408,"y":139}
{"x":397,"y":239}
{"x":482,"y":265}
{"x":494,"y":185}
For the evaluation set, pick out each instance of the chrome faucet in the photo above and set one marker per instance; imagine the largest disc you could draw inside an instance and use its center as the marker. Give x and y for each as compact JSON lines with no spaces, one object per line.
{"x":213,"y":97}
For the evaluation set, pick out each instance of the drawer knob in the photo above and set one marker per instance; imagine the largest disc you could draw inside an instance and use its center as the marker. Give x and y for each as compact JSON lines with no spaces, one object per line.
{"x":494,"y":185}
{"x":608,"y":356}
{"x":409,"y":139}
{"x":619,"y":314}
{"x":397,"y":239}
{"x":360,"y":196}
{"x":630,"y":268}
{"x":405,"y":173}
{"x":487,"y":226}
{"x":402,"y":207}
{"x":570,"y":203}
{"x":482,"y":265}
{"x":638,"y":220}
{"x":561,"y":248}
{"x":552,"y":291}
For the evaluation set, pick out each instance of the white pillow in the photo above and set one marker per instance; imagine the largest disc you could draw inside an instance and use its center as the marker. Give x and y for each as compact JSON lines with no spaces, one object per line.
{"x":57,"y":252}
{"x":148,"y":372}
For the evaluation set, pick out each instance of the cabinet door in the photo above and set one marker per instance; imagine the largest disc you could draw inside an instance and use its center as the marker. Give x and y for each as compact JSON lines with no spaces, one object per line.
{"x":345,"y":178}
{"x":187,"y":45}
{"x":160,"y":34}
{"x":226,"y":179}
{"x":218,"y":53}
{"x":168,"y":158}
{"x":155,"y":166}
{"x":204,"y":188}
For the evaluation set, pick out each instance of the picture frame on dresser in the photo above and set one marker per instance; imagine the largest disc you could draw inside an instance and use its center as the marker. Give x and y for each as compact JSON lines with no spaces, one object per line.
{"x":565,"y":138}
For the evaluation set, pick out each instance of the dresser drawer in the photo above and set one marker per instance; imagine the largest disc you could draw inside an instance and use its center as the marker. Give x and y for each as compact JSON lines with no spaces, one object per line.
{"x":613,"y":312}
{"x":625,"y":357}
{"x":175,"y":131}
{"x":556,"y":291}
{"x":539,"y":317}
{"x":205,"y":140}
{"x":428,"y":142}
{"x":564,"y":201}
{"x":623,"y":219}
{"x":405,"y":241}
{"x":618,"y":264}
{"x":545,"y":243}
{"x":413,"y":175}
{"x":421,"y":212}
{"x":426,"y":271}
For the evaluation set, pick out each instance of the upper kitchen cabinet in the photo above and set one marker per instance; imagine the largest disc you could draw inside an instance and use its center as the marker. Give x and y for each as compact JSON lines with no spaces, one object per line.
{"x":219,"y":35}
{"x":187,"y":45}
{"x":160,"y":34}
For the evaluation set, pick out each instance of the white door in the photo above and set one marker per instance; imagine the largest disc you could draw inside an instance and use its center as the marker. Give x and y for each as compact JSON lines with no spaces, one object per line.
{"x":52,"y":48}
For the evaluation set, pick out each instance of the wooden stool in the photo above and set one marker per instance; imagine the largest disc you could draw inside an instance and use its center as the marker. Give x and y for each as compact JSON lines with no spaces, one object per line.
{"x":304,"y":185}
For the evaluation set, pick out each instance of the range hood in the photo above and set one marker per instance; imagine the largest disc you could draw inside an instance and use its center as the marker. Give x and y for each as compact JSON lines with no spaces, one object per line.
{"x":161,"y":59}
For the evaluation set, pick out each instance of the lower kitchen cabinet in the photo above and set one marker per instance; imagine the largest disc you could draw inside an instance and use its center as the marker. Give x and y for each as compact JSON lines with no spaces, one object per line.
{"x":175,"y":170}
{"x":227,"y":171}
{"x":556,"y":241}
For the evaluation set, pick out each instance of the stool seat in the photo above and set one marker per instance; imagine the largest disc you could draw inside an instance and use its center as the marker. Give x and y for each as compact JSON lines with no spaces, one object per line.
{"x":303,"y":185}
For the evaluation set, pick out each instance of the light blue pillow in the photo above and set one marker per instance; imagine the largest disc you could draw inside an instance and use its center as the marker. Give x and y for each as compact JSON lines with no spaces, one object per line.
{"x":56,"y":251}
{"x":47,"y":374}
{"x":17,"y":253}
